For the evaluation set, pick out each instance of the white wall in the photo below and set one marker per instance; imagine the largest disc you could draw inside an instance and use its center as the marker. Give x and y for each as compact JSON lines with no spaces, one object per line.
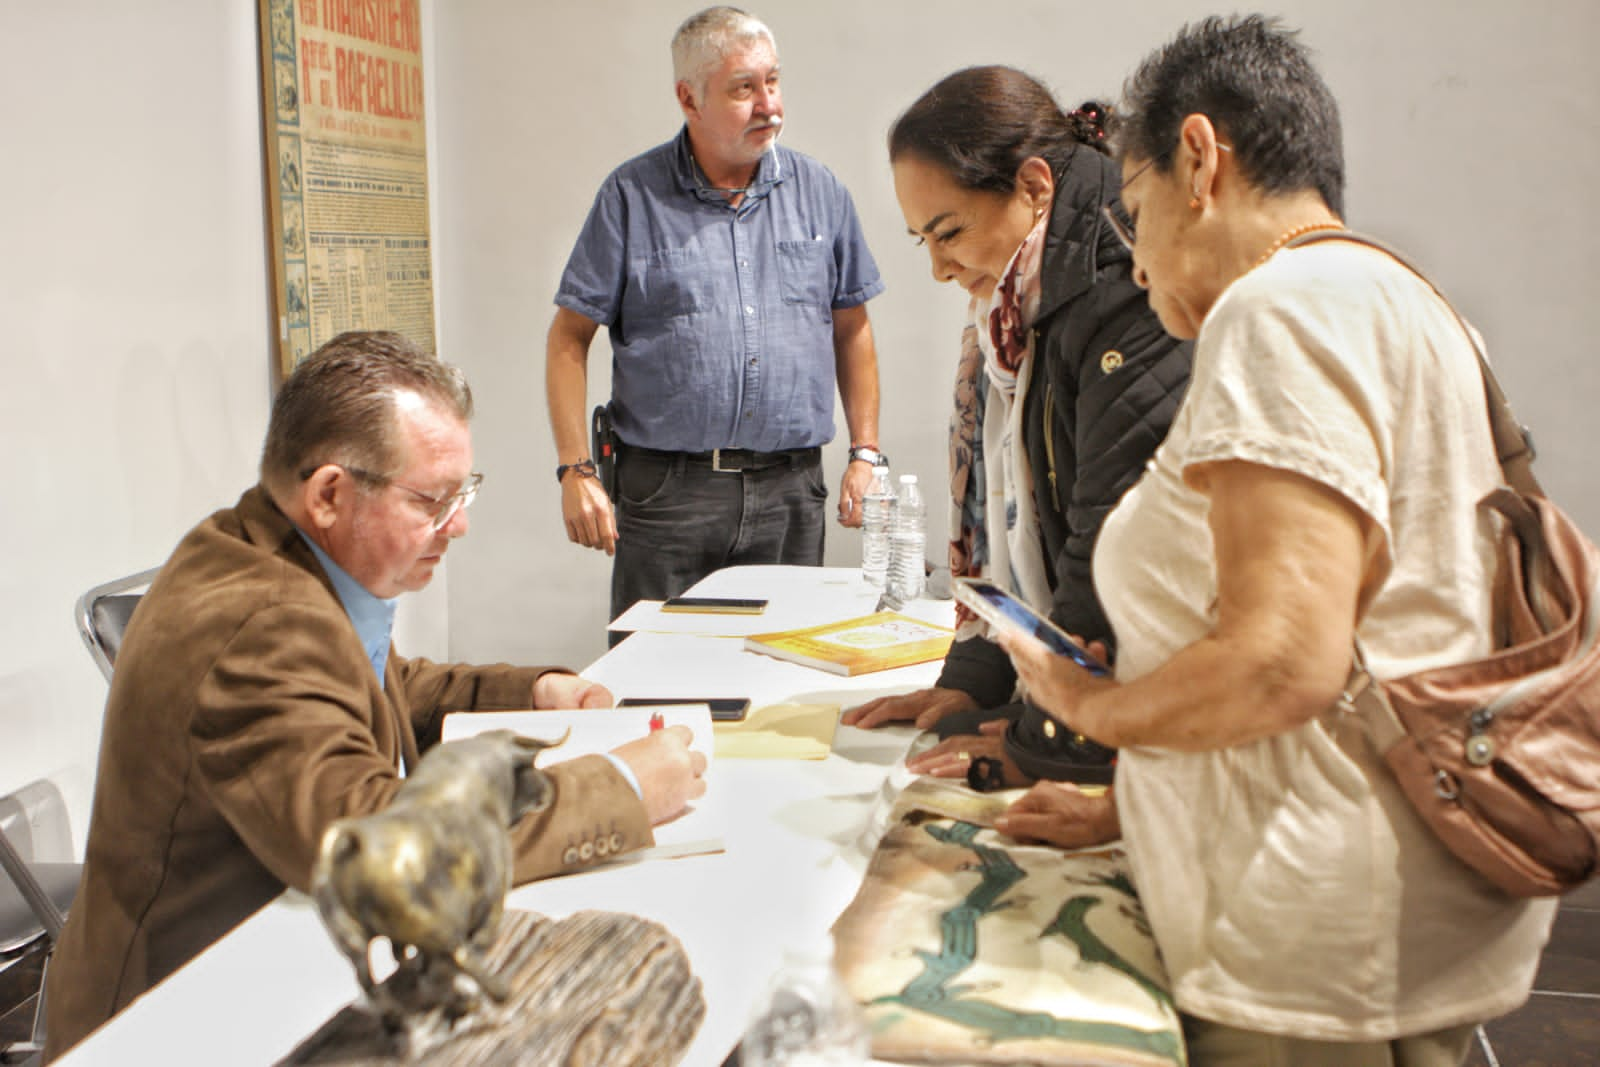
{"x":1471,"y":133}
{"x":134,"y":295}
{"x":134,"y":302}
{"x":133,"y":292}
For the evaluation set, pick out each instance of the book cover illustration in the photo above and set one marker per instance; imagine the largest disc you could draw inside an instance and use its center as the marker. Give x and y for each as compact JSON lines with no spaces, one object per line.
{"x":876,"y":642}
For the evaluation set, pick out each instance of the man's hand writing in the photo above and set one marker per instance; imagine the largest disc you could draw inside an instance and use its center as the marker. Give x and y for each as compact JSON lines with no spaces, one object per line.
{"x":669,"y":772}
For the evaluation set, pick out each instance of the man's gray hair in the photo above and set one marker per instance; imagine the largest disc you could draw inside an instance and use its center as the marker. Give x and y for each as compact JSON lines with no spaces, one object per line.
{"x":707,"y":38}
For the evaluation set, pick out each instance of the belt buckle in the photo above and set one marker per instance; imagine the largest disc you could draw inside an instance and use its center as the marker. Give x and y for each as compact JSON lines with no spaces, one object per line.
{"x":716,"y":463}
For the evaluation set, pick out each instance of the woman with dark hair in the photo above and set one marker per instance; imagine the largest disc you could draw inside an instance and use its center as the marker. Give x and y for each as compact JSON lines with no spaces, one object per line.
{"x":1319,"y":485}
{"x":1065,"y":386}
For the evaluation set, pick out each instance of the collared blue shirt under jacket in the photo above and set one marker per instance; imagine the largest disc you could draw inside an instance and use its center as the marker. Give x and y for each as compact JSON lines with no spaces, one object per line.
{"x":721,"y":318}
{"x":372,"y":616}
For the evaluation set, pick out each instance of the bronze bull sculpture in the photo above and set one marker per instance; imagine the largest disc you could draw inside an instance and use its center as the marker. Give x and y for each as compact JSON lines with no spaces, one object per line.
{"x":430,"y":874}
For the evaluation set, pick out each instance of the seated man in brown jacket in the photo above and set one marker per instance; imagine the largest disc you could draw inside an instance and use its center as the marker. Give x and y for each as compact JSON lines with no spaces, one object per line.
{"x":256,"y":696}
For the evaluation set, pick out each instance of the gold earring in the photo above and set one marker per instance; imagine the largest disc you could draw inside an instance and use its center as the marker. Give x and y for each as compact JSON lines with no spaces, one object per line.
{"x":1194,"y":201}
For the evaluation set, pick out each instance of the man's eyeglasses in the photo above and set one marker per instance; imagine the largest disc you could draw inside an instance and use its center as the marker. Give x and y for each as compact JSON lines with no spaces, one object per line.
{"x":444,"y":508}
{"x":1125,"y":229}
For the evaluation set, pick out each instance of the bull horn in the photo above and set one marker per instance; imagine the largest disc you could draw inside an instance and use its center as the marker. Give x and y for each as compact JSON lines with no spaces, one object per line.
{"x":538,"y":744}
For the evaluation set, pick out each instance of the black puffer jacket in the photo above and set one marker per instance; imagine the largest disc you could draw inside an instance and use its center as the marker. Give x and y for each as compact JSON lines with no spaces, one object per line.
{"x":1106,"y":384}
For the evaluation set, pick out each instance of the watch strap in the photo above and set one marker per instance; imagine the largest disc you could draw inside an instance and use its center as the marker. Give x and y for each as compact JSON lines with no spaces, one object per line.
{"x":584,"y":466}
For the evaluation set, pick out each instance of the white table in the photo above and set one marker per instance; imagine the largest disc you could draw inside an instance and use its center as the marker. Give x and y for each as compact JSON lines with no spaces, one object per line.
{"x":798,"y":597}
{"x":795,"y":855}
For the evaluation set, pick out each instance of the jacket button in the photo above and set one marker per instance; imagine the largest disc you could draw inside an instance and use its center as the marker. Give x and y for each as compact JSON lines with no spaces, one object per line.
{"x":570,"y":856}
{"x":586,"y":851}
{"x":616,"y":842}
{"x":1110,"y":361}
{"x":1050,"y":728}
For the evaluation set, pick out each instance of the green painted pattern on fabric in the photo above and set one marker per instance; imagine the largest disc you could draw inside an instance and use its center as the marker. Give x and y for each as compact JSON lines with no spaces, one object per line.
{"x":933,"y":992}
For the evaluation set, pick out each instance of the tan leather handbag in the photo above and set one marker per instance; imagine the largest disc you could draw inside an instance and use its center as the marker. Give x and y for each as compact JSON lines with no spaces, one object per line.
{"x":1501,"y":755}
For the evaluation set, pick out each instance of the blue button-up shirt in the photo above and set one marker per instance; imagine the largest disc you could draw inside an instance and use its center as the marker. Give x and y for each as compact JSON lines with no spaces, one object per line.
{"x":373,"y":617}
{"x":721,"y":317}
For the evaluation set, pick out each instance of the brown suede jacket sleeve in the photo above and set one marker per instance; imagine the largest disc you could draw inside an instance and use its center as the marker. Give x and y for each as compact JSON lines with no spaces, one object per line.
{"x":595,"y":814}
{"x":293,"y":731}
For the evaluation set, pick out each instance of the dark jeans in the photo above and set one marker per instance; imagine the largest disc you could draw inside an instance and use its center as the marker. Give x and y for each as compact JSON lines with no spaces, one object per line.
{"x":678,"y":520}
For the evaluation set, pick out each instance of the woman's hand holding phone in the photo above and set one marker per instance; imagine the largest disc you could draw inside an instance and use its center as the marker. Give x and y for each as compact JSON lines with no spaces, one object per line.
{"x":1057,"y":684}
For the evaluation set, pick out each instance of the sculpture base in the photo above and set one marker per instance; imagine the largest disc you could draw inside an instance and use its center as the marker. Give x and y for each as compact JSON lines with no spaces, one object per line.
{"x":599,"y":988}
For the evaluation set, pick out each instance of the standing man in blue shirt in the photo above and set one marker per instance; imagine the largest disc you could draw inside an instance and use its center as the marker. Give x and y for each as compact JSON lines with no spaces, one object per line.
{"x":733,"y":277}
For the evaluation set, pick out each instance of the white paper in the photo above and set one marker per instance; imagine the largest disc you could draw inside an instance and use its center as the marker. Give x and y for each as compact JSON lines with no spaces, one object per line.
{"x":599,"y":730}
{"x":594,"y":730}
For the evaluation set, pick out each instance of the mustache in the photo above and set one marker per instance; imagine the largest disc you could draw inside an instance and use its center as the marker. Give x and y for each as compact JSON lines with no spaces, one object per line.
{"x":773,"y":123}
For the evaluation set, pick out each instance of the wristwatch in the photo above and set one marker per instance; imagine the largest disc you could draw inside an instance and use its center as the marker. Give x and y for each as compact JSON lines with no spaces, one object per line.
{"x":584,"y":466}
{"x":868,"y":454}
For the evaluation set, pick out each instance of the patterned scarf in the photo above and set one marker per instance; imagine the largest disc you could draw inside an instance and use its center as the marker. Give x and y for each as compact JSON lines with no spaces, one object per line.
{"x":986,"y":432}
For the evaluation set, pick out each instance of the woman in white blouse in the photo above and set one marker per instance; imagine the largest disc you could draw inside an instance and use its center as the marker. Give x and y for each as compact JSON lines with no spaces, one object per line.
{"x":1321,"y":480}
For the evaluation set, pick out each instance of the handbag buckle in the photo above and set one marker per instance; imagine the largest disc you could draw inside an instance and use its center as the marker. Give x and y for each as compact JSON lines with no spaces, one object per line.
{"x":1445,"y":786}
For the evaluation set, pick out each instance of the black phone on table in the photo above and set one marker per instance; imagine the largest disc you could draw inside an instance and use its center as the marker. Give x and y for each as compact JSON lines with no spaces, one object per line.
{"x":716,"y":605}
{"x":1000,"y":609}
{"x":723,"y":709}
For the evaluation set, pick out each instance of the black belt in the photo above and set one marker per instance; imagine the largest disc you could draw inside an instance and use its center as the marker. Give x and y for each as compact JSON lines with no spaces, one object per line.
{"x":734,"y":460}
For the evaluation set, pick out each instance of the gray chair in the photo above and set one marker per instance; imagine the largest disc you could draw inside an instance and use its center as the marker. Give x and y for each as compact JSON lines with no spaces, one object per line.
{"x":103,"y":613}
{"x":34,"y":900}
{"x":35,"y":897}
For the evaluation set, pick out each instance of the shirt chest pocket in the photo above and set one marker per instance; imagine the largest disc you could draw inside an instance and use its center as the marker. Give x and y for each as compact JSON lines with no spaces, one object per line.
{"x":805,"y":273}
{"x":673,"y":282}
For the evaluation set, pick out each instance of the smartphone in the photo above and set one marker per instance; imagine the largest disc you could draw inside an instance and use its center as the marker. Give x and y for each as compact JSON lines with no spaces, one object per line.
{"x":717,"y":605}
{"x":723,"y":709}
{"x":1004,"y":611}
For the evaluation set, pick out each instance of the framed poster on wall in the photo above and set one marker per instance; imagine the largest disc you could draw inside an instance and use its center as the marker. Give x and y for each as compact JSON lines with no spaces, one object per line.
{"x":347,"y":171}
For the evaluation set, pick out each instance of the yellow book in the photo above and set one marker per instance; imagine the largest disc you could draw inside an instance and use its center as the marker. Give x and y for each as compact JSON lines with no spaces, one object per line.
{"x":779,"y":731}
{"x":857,"y":646}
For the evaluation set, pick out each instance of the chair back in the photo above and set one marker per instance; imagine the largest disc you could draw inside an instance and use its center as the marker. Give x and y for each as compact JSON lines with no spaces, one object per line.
{"x":34,"y":900}
{"x":28,"y":906}
{"x":103,"y":613}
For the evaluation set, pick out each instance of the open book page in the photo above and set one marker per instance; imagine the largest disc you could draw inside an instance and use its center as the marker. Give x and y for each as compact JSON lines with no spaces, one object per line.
{"x":780,"y":731}
{"x":599,"y":730}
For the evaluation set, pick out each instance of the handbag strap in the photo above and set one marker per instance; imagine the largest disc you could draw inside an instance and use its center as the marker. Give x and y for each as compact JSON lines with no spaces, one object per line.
{"x":1513,"y":445}
{"x":1513,"y":442}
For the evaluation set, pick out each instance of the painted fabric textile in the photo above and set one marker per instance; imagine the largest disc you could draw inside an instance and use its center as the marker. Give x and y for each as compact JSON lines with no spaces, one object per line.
{"x":964,"y":947}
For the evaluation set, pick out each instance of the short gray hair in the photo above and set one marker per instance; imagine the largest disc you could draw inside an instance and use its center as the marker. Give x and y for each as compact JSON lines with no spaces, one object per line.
{"x":707,"y":38}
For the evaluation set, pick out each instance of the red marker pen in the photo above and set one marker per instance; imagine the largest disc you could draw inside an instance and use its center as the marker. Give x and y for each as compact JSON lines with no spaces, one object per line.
{"x":656,"y":721}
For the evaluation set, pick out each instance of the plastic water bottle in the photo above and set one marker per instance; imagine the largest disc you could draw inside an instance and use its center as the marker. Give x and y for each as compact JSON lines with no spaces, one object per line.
{"x":908,"y":542}
{"x":807,"y":1018}
{"x":877,"y":507}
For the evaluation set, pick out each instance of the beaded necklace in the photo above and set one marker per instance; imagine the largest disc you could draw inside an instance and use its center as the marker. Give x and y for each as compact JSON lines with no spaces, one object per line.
{"x":1289,"y":235}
